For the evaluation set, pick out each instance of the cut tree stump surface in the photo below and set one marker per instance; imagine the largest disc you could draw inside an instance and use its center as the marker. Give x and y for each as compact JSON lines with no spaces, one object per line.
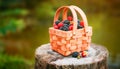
{"x":46,"y":58}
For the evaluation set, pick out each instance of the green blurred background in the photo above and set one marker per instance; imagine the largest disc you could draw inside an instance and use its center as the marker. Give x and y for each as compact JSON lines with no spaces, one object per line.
{"x":24,"y":26}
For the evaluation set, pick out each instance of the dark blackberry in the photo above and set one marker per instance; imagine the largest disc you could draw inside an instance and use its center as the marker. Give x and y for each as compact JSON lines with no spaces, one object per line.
{"x":64,"y":28}
{"x":67,"y":25}
{"x":78,"y":21}
{"x":61,"y":28}
{"x":66,"y":22}
{"x":57,"y":22}
{"x":79,"y":27}
{"x":75,"y":54}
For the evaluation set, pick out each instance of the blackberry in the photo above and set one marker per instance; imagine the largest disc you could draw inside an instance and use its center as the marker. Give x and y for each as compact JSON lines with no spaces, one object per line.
{"x":75,"y":54}
{"x":78,"y":21}
{"x":64,"y":28}
{"x":66,"y":25}
{"x":79,"y":27}
{"x":66,"y":22}
{"x":57,"y":22}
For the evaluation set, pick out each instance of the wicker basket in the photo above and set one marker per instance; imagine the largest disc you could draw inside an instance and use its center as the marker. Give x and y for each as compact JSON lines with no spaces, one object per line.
{"x":76,"y":40}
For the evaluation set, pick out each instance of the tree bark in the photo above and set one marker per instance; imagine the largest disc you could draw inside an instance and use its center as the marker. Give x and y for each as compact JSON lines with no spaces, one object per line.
{"x":45,"y":58}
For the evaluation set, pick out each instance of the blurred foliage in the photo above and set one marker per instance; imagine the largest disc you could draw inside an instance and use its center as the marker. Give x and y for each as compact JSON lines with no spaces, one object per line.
{"x":11,"y":25}
{"x":14,"y":12}
{"x":2,"y":47}
{"x":10,"y":62}
{"x":44,"y":11}
{"x":12,"y":17}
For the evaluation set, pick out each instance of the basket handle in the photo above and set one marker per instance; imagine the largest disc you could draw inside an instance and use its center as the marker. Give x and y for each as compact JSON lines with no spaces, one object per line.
{"x":60,"y":9}
{"x":82,"y":14}
{"x":64,"y":17}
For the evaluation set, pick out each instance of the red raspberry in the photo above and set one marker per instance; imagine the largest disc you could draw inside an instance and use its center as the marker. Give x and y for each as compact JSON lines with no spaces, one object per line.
{"x":71,"y":27}
{"x":60,"y":24}
{"x":83,"y":53}
{"x":56,"y":27}
{"x":81,"y":23}
{"x":70,"y":18}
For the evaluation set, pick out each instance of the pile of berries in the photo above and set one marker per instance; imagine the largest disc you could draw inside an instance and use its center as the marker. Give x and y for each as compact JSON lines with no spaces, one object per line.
{"x":67,"y":25}
{"x":79,"y":54}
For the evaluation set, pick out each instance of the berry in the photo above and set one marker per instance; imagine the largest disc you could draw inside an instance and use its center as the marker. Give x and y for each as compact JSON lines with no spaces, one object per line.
{"x":57,"y":22}
{"x":71,"y":27}
{"x":83,"y":53}
{"x":64,"y":28}
{"x":66,"y":22}
{"x":61,"y":28}
{"x":66,"y":25}
{"x":56,"y":27}
{"x":70,"y":18}
{"x":78,"y":21}
{"x":75,"y":54}
{"x":79,"y":27}
{"x":60,"y":24}
{"x":81,"y":23}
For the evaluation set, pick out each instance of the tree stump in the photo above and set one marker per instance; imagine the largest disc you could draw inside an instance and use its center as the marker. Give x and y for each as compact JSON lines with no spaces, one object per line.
{"x":45,"y":58}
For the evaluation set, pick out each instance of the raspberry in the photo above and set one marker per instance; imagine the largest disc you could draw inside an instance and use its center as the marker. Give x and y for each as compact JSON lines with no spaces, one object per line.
{"x":60,"y":24}
{"x":83,"y":53}
{"x":56,"y":27}
{"x":57,"y":22}
{"x":71,"y":27}
{"x":70,"y":18}
{"x":81,"y":23}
